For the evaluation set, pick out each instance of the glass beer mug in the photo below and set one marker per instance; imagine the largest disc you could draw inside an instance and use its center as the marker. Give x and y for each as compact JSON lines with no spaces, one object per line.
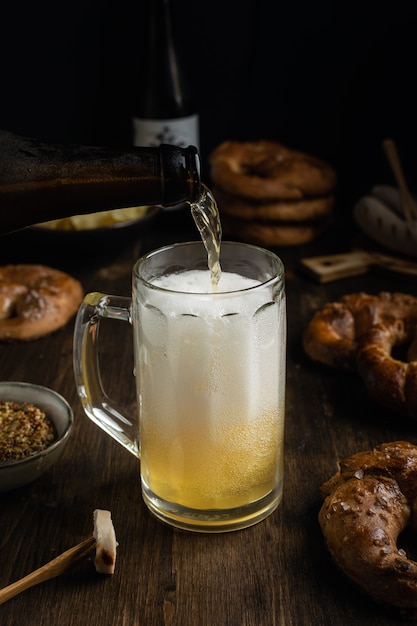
{"x":210,"y":378}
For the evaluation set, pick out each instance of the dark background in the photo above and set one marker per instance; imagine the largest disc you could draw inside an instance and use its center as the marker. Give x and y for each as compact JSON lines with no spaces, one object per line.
{"x":333,"y":79}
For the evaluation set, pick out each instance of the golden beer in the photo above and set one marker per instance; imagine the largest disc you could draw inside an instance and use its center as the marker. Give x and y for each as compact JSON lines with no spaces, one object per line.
{"x":209,"y":365}
{"x":211,"y":388}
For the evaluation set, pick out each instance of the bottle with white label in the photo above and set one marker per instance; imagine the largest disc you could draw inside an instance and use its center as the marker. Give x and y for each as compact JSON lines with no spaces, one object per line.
{"x":164,"y":111}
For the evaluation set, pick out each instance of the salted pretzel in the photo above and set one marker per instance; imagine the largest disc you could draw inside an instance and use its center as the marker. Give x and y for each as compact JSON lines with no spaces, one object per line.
{"x":35,"y":300}
{"x":279,"y":211}
{"x":361,"y":333}
{"x":269,"y":194}
{"x":331,"y":336}
{"x":267,"y":170}
{"x":269,"y":233}
{"x":390,"y":381}
{"x":367,"y":504}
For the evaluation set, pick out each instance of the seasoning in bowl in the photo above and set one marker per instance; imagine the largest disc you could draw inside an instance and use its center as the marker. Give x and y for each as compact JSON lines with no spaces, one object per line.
{"x":24,"y":430}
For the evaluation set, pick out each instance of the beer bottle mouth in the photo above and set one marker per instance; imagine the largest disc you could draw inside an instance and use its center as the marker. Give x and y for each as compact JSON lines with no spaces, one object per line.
{"x":179,"y":166}
{"x":195,"y":170}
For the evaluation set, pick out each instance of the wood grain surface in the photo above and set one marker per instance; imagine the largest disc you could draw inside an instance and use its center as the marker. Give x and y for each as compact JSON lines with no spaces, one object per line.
{"x":277,"y":573}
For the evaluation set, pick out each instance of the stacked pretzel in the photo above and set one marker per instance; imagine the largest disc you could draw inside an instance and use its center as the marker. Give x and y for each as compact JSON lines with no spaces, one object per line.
{"x":270,"y":195}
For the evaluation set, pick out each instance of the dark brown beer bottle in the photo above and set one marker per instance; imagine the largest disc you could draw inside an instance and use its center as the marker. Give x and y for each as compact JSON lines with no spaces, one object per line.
{"x":41,"y":181}
{"x":164,"y":110}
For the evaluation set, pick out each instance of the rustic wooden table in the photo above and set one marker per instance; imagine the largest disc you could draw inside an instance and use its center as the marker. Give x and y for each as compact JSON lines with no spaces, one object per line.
{"x":275,"y":573}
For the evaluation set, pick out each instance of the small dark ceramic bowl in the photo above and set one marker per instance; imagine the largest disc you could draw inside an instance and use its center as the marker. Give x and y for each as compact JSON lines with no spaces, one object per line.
{"x":14,"y":474}
{"x":102,"y":236}
{"x":42,"y":243}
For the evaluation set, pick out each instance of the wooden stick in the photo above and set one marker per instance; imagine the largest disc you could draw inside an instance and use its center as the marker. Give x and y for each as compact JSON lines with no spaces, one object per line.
{"x":50,"y":570}
{"x":408,"y":203}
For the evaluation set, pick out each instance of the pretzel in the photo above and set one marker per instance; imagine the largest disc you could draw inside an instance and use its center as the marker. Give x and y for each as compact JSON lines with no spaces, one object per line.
{"x":360,"y":333}
{"x":280,"y":211}
{"x":331,"y":336}
{"x":264,"y":233}
{"x":367,"y":504}
{"x":267,"y":170}
{"x":390,"y":381}
{"x":35,"y":300}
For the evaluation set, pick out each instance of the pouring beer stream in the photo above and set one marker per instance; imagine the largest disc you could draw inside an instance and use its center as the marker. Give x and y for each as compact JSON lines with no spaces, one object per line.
{"x":206,"y":217}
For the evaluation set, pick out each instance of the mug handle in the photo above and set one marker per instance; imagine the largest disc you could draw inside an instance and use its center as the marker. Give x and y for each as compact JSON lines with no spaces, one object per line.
{"x":96,"y":403}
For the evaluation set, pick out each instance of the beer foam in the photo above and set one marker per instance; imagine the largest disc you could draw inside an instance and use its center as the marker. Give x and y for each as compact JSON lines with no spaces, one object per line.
{"x":199,"y":281}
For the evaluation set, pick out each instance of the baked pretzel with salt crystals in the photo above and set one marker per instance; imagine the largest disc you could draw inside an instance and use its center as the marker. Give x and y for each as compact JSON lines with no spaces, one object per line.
{"x":361,"y":332}
{"x":331,"y":336}
{"x":272,"y":233}
{"x":35,"y":300}
{"x":367,"y":505}
{"x":267,"y":170}
{"x":279,"y":211}
{"x":390,"y":381}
